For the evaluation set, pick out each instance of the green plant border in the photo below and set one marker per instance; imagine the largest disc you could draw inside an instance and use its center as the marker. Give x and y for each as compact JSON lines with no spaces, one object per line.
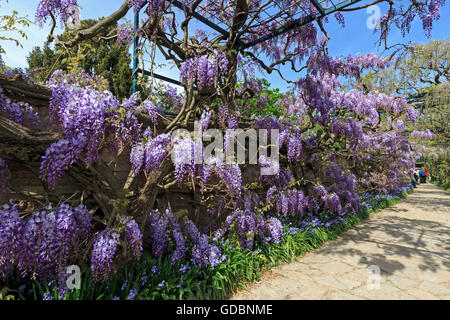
{"x":241,"y":268}
{"x":443,"y":185}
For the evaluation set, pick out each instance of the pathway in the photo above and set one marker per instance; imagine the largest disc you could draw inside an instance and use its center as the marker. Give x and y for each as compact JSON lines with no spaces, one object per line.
{"x":408,"y":243}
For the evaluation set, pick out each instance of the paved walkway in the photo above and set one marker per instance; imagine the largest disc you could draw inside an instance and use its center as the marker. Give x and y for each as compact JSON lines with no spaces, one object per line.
{"x":409,"y":243}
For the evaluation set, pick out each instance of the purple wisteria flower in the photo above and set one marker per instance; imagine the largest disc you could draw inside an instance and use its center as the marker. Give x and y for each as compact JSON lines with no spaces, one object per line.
{"x":91,"y":118}
{"x":103,"y":253}
{"x":56,"y":7}
{"x":19,"y":112}
{"x":133,"y":236}
{"x":153,"y":110}
{"x":125,"y":34}
{"x":203,"y":253}
{"x":11,"y":237}
{"x":40,"y":246}
{"x":246,"y":227}
{"x":206,"y":70}
{"x":178,"y":236}
{"x":59,"y":157}
{"x":294,"y":146}
{"x":205,"y":118}
{"x":157,"y":231}
{"x":4,"y":176}
{"x":275,"y":229}
{"x":137,"y":156}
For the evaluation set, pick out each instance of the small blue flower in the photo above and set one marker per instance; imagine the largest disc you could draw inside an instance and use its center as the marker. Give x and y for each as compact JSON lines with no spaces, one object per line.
{"x":184,"y":268}
{"x":144,"y":280}
{"x":155,"y":270}
{"x":47,"y":296}
{"x":162,"y":284}
{"x":132,"y":294}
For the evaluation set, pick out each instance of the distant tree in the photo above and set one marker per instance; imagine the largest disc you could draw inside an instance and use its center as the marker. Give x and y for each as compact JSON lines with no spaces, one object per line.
{"x":421,"y":73}
{"x":98,"y":56}
{"x":42,"y":62}
{"x":260,"y":99}
{"x":419,"y":68}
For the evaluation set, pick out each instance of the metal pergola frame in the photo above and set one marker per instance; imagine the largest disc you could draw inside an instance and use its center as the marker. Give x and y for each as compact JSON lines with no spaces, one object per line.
{"x":242,"y":46}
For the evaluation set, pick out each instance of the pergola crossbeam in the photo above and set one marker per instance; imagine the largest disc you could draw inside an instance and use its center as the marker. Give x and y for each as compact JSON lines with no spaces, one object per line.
{"x":160,"y":77}
{"x":200,"y":18}
{"x":242,"y":46}
{"x":318,"y":6}
{"x":300,"y":22}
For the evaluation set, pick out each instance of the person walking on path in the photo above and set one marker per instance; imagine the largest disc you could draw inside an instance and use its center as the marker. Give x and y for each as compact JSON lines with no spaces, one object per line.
{"x":416,"y":175}
{"x":422,"y":176}
{"x":413,"y":181}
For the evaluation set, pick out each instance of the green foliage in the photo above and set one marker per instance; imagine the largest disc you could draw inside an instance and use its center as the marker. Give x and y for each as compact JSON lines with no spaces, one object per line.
{"x":421,"y":73}
{"x":7,"y":294}
{"x":444,"y":185}
{"x":12,"y":24}
{"x":270,"y":107}
{"x":413,"y":72}
{"x":98,"y":57}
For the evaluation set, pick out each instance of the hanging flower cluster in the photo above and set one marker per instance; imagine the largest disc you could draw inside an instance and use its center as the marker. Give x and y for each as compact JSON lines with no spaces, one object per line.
{"x":19,"y":112}
{"x":103,"y":253}
{"x":4,"y":176}
{"x":422,"y":134}
{"x":89,"y":119}
{"x":204,"y":71}
{"x":247,"y":225}
{"x":125,"y":34}
{"x":60,"y":8}
{"x":44,"y":243}
{"x":107,"y":243}
{"x":203,"y":253}
{"x":150,"y":154}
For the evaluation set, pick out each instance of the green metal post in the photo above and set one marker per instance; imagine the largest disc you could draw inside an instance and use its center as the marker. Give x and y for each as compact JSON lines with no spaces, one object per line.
{"x":135,"y":51}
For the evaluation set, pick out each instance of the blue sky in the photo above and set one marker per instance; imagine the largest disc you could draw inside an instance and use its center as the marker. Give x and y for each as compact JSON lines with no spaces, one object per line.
{"x":355,"y":37}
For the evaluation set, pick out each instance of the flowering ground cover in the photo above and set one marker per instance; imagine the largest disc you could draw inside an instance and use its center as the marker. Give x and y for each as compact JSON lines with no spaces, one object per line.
{"x":158,"y":278}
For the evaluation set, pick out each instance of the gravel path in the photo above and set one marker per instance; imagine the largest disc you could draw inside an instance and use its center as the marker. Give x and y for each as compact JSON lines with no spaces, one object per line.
{"x":409,"y":244}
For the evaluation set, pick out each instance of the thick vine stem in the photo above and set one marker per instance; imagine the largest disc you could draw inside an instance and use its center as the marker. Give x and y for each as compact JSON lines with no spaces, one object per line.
{"x":19,"y":89}
{"x":22,"y":143}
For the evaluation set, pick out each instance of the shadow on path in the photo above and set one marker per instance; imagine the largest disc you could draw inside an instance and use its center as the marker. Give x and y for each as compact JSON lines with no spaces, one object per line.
{"x":397,"y":232}
{"x":409,"y":242}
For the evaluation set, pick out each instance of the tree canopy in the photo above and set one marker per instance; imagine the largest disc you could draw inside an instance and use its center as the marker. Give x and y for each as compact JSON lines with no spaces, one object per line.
{"x":100,"y":56}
